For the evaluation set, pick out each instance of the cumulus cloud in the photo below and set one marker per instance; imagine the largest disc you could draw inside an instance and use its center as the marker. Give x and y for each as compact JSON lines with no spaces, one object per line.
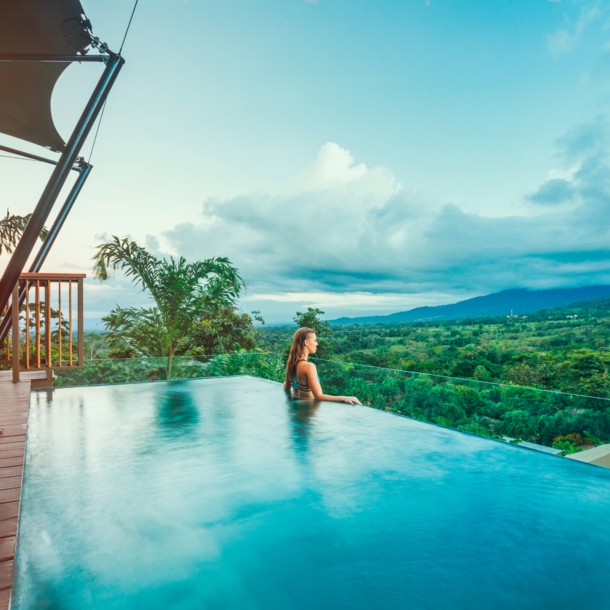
{"x":342,"y":227}
{"x":553,"y":192}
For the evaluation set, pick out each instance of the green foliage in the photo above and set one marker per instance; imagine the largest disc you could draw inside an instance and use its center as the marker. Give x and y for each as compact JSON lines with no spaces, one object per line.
{"x":479,"y":430}
{"x":183,"y":294}
{"x":522,"y":374}
{"x":225,"y":331}
{"x":519,"y":424}
{"x":311,"y":319}
{"x":566,"y":446}
{"x":12,"y":227}
{"x":136,"y":370}
{"x":591,"y":439}
{"x":95,"y":346}
{"x":586,"y":371}
{"x":481,"y":373}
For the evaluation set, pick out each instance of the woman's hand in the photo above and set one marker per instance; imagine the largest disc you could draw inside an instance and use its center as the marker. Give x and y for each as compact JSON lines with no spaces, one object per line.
{"x":350,"y":400}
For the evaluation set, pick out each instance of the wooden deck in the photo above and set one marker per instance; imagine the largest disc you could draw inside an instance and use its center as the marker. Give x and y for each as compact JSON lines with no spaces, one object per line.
{"x":14,"y":409}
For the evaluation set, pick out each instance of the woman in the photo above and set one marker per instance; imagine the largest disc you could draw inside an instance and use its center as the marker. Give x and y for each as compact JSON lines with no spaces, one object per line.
{"x":302,"y":376}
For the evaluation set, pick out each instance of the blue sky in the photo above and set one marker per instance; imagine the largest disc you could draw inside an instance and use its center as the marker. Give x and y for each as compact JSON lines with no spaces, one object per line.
{"x":362,"y":156}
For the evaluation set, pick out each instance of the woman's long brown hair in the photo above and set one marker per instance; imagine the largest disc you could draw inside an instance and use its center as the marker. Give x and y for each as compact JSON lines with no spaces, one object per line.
{"x":296,"y":351}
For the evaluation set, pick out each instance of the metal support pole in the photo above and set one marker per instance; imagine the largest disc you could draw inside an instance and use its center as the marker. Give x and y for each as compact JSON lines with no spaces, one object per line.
{"x":58,"y":177}
{"x":47,"y":244}
{"x":27,"y":155}
{"x":15,"y":311}
{"x":51,"y":58}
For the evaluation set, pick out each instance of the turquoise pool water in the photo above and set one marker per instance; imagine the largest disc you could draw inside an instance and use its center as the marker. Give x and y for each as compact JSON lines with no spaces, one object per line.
{"x":223,"y":494}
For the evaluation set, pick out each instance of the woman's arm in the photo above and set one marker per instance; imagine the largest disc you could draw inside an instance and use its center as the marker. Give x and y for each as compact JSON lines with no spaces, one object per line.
{"x":316,"y":388}
{"x":287,"y":384}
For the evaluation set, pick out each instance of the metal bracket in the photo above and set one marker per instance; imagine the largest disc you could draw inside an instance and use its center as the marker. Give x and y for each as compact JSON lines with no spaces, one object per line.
{"x":101,"y":46}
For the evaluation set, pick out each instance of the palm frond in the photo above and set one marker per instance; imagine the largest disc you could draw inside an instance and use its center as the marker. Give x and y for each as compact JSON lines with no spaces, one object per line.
{"x":125,"y":254}
{"x":12,"y":227}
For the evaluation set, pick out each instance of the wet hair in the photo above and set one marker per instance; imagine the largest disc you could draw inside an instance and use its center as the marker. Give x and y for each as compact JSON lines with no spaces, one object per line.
{"x":296,"y":350}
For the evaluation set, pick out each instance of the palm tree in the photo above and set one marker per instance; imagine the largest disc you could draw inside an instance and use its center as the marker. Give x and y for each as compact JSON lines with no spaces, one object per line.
{"x":183,"y":293}
{"x":12,"y":227}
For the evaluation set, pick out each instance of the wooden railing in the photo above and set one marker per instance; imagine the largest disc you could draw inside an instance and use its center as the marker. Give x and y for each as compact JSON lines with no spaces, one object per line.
{"x":46,"y":325}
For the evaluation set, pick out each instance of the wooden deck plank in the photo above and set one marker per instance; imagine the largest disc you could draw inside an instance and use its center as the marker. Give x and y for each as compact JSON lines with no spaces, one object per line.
{"x":6,"y":574}
{"x":8,"y":527}
{"x":14,"y":411}
{"x":10,"y":471}
{"x":10,"y":483}
{"x":12,"y":446}
{"x":16,"y":416}
{"x":18,"y":422}
{"x":8,"y":510}
{"x":11,"y":452}
{"x":6,"y":443}
{"x":5,"y":596}
{"x":10,"y":420}
{"x":16,"y":460}
{"x":7,"y":548}
{"x":10,"y":495}
{"x":25,"y":375}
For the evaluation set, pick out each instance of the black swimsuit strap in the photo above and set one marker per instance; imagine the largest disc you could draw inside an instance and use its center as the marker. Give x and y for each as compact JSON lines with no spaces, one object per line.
{"x":303,"y":388}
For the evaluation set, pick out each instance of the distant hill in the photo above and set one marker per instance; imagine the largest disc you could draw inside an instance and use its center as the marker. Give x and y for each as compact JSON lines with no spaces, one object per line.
{"x":521,"y":301}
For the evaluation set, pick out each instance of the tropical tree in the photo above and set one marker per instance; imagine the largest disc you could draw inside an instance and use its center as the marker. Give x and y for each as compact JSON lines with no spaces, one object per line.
{"x":311,"y":319}
{"x":12,"y":227}
{"x":226,"y":331}
{"x":183,"y":293}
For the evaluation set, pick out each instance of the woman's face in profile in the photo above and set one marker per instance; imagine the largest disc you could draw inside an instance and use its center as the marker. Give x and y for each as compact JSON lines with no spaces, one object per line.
{"x":311,"y":343}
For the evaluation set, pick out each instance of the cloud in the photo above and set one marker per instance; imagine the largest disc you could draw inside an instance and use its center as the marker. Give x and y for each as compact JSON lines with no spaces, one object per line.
{"x":584,"y":140}
{"x":342,"y":228}
{"x":566,"y":38}
{"x":553,"y":192}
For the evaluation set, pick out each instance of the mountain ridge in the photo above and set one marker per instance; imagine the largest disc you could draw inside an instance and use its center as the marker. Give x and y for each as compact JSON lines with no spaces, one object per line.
{"x":519,"y":301}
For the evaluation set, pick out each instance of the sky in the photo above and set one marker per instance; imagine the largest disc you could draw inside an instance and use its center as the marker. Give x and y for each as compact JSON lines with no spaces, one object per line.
{"x":362,"y":156}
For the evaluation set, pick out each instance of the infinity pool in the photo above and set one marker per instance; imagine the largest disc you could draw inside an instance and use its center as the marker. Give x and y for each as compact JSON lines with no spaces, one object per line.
{"x":223,"y":494}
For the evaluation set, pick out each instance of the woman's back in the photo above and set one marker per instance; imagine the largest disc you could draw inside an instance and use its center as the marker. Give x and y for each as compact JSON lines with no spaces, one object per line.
{"x":300,"y":381}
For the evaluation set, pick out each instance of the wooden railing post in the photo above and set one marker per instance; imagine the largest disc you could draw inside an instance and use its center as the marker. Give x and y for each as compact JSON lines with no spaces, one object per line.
{"x":59,"y":322}
{"x":15,"y":323}
{"x":47,"y":323}
{"x":81,"y":325}
{"x":70,"y":328}
{"x":37,"y":324}
{"x":27,"y":325}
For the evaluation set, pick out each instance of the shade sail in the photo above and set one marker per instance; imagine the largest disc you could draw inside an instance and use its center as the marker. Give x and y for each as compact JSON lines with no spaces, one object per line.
{"x":48,"y":27}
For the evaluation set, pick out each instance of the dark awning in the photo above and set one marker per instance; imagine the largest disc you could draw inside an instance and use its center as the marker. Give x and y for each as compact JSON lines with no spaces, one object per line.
{"x":48,"y":27}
